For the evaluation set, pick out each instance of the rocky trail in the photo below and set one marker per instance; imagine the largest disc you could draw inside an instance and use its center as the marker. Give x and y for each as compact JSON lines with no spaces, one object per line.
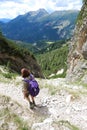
{"x":61,"y":106}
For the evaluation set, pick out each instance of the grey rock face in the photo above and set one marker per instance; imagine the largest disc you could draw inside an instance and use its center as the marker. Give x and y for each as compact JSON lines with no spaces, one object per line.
{"x":77,"y":58}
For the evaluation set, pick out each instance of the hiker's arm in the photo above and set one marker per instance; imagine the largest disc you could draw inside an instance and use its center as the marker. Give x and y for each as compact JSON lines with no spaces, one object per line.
{"x":25,"y":89}
{"x":25,"y":86}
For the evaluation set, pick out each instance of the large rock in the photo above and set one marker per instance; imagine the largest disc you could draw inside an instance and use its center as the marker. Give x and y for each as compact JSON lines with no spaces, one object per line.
{"x":77,"y":58}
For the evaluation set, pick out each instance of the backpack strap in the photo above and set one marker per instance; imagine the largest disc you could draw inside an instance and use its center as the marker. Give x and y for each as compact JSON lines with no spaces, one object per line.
{"x":32,"y":77}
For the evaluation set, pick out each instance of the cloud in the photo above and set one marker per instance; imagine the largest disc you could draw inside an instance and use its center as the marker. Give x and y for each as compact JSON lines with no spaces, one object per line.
{"x":66,"y":5}
{"x":10,"y":0}
{"x":13,"y":8}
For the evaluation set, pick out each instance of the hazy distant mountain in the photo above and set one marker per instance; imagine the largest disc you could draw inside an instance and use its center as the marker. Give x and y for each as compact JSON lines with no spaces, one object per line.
{"x":40,"y":25}
{"x":4,"y":20}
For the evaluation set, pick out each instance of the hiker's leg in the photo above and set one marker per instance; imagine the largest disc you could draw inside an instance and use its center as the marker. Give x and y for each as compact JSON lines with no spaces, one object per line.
{"x":30,"y":103}
{"x":26,"y":96}
{"x":33,"y":100}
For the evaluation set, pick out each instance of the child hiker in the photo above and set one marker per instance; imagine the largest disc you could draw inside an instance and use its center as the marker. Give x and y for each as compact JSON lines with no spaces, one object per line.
{"x":30,"y":87}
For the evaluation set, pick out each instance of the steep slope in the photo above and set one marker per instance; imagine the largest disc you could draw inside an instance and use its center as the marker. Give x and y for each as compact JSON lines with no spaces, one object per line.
{"x":54,"y":60}
{"x":16,"y":58}
{"x":39,"y":25}
{"x":60,"y":106}
{"x":77,"y":59}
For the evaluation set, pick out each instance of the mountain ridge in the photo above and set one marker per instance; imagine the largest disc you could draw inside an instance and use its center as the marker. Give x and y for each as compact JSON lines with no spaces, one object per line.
{"x":39,"y":25}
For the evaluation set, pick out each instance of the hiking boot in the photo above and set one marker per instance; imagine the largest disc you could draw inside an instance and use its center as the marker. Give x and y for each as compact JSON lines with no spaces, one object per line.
{"x":31,"y":105}
{"x":34,"y":103}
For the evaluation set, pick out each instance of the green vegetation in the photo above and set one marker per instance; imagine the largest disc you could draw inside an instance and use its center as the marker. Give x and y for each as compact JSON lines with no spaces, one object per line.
{"x":84,"y":1}
{"x":9,"y":75}
{"x":41,"y":27}
{"x":83,"y":13}
{"x":68,"y":125}
{"x":53,"y":61}
{"x":0,"y":32}
{"x":17,"y":57}
{"x":8,"y":116}
{"x":46,"y":46}
{"x":42,"y":46}
{"x":11,"y":117}
{"x":20,"y":123}
{"x":6,"y":75}
{"x":11,"y":48}
{"x":51,"y":56}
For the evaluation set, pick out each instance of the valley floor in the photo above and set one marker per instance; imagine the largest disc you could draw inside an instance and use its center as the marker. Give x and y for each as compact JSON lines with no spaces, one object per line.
{"x":61,"y":106}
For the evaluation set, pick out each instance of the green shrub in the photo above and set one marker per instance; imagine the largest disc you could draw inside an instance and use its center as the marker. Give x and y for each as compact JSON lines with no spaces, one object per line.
{"x":9,"y":75}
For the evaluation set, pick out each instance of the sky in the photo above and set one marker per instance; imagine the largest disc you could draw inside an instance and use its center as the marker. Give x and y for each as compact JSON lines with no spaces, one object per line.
{"x":13,"y":8}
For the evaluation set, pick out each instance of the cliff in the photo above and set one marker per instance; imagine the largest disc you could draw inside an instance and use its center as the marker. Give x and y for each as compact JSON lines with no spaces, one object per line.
{"x":77,"y":58}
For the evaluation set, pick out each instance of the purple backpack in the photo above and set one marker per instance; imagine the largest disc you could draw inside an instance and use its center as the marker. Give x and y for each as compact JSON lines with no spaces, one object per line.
{"x":33,"y":86}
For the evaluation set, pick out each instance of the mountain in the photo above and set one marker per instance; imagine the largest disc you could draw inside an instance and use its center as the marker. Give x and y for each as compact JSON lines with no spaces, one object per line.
{"x":40,"y":25}
{"x":53,"y":60}
{"x":17,"y":58}
{"x":77,"y":58}
{"x":4,"y":20}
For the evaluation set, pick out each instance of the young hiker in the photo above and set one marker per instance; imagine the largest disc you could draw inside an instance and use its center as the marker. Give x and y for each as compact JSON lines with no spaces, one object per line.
{"x":26,"y":89}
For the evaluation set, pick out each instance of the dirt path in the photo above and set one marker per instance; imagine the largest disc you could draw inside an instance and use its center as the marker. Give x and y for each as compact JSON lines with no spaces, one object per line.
{"x":64,"y":107}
